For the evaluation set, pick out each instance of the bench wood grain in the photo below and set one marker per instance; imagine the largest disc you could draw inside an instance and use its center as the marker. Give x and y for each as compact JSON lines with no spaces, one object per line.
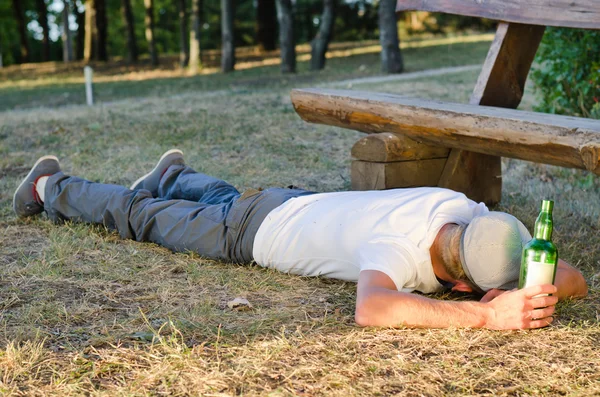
{"x":387,"y":147}
{"x":551,"y":139}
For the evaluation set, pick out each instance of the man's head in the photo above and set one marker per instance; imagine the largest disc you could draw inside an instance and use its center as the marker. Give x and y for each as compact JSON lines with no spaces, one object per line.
{"x":486,"y":253}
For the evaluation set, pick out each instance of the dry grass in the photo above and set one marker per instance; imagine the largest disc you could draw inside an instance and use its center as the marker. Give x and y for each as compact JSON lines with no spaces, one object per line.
{"x":85,"y":313}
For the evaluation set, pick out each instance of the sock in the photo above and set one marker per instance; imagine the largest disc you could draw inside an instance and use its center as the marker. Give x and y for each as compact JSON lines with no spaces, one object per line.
{"x":40,"y":187}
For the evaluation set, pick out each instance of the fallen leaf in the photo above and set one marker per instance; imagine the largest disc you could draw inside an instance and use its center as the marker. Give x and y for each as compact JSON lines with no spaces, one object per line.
{"x":240,"y":304}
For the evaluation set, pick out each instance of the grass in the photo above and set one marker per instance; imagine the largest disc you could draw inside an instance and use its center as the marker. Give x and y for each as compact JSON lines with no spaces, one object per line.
{"x":59,"y":84}
{"x":83,"y":312}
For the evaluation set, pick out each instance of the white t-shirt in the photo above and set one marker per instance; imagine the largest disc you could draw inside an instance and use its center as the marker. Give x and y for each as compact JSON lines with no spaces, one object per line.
{"x":338,"y":235}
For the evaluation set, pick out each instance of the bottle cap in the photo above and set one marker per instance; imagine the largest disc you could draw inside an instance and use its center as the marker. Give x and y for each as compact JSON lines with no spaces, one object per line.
{"x":547,"y":205}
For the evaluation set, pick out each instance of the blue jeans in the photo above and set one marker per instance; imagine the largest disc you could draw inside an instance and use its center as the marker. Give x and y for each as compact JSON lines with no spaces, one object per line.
{"x":193,"y":211}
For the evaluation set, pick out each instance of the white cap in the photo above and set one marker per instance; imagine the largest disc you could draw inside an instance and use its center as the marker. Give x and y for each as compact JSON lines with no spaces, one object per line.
{"x":490,"y":250}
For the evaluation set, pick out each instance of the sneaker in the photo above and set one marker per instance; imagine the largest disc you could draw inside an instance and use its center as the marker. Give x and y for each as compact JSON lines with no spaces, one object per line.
{"x":151,"y":180}
{"x":26,"y":201}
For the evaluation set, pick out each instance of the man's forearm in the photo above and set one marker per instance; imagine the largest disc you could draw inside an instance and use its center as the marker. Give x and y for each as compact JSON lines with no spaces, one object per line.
{"x":387,"y":308}
{"x":522,"y":309}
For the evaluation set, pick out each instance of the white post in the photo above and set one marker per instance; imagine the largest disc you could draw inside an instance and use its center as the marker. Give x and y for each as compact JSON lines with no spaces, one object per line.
{"x":89,"y":94}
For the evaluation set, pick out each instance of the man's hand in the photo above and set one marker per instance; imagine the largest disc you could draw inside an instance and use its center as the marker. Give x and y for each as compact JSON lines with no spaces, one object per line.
{"x":522,"y":309}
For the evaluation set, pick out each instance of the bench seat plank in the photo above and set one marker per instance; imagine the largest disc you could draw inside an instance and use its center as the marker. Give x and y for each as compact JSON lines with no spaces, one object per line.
{"x":566,"y":13}
{"x":544,"y":138}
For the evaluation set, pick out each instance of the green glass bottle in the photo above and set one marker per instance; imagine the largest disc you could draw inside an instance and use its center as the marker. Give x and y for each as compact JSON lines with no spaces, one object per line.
{"x":540,"y":256}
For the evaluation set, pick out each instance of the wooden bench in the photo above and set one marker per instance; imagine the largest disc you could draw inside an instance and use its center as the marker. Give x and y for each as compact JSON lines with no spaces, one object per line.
{"x":415,"y":142}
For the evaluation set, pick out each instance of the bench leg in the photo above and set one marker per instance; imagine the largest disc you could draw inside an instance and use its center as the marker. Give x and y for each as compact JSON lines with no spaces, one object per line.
{"x":369,"y":175}
{"x":387,"y":161}
{"x":478,"y":176}
{"x":501,"y":84}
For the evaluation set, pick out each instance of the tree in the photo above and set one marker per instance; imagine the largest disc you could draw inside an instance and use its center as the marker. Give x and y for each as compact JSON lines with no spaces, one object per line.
{"x":22,"y":26}
{"x":320,"y":43}
{"x":195,"y":60}
{"x":391,"y":57}
{"x":66,"y":32}
{"x":90,"y":31}
{"x":195,"y":49}
{"x":42,"y":12}
{"x":227,"y":38}
{"x":81,"y":26}
{"x":184,"y":49}
{"x":266,"y":24}
{"x":132,"y":54}
{"x":149,"y":22}
{"x":287,"y":42}
{"x":101,"y":53}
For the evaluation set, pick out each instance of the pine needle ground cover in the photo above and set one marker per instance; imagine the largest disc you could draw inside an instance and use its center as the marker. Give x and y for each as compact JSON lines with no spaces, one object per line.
{"x":83,"y":312}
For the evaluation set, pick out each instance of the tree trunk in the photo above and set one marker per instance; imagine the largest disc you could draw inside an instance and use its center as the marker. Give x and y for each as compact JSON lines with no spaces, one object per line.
{"x":66,"y":32}
{"x":80,"y":40}
{"x":266,"y":25}
{"x":42,"y":12}
{"x":102,"y":30}
{"x":195,"y":32}
{"x":287,"y":42}
{"x":90,"y":31}
{"x":184,"y":49}
{"x":132,"y":54}
{"x":227,"y":43}
{"x":321,"y":41}
{"x":1,"y":62}
{"x":391,"y":58}
{"x":22,"y":26}
{"x":149,"y":22}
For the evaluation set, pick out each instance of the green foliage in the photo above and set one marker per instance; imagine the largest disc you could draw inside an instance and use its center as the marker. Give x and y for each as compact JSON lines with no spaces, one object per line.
{"x":356,"y":21}
{"x":568,"y":72}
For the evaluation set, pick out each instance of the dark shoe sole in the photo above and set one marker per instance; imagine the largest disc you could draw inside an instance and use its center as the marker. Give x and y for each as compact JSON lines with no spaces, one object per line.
{"x":24,"y":203}
{"x":167,"y":159}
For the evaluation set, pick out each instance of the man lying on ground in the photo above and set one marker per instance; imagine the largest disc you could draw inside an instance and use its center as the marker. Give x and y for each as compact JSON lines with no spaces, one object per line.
{"x":391,"y":242}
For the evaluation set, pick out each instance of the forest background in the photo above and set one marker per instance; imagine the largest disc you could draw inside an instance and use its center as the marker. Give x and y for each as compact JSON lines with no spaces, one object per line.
{"x":33,"y":30}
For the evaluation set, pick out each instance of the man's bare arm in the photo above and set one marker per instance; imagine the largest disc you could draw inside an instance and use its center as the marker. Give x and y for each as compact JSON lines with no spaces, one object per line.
{"x":378,"y":303}
{"x":569,"y":281}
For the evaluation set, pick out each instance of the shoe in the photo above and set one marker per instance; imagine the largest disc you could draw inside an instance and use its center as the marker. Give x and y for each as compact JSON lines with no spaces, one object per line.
{"x":151,"y":180}
{"x":26,"y":201}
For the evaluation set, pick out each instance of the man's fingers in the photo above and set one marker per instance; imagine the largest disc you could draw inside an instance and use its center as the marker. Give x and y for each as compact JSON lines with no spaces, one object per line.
{"x":535,"y":290}
{"x":541,"y":323}
{"x":543,"y":301}
{"x":542,"y":313}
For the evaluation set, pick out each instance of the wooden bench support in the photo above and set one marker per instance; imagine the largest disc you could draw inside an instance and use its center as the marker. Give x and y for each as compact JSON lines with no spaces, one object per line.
{"x":386,"y":161}
{"x":367,"y":175}
{"x":478,"y":176}
{"x":501,"y":83}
